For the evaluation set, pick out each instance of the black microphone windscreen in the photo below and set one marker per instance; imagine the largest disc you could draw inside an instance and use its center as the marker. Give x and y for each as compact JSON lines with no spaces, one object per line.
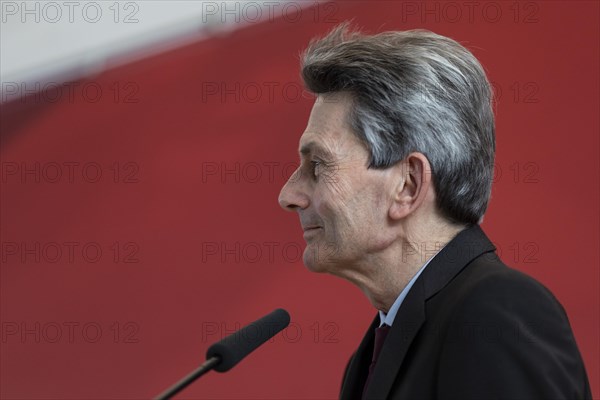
{"x":233,"y":348}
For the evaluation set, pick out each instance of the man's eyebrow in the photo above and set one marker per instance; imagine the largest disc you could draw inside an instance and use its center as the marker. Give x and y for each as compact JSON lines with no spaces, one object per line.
{"x":314,"y":147}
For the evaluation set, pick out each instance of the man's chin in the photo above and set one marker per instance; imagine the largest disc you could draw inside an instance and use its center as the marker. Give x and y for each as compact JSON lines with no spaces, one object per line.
{"x":318,"y":258}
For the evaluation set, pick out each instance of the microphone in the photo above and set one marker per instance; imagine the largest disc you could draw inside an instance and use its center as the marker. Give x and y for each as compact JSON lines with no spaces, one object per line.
{"x":226,"y":354}
{"x":232,"y":349}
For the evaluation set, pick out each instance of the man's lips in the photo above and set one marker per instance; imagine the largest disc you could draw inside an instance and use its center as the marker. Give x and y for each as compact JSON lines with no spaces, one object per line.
{"x":308,"y":228}
{"x":310,"y":231}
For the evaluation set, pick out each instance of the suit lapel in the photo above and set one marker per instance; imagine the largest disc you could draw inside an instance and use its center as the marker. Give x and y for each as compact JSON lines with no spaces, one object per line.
{"x":412,"y":315}
{"x":358,"y":368}
{"x":466,"y":246}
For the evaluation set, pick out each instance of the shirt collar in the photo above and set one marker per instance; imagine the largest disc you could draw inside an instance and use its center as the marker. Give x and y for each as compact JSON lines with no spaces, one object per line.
{"x":388,"y":319}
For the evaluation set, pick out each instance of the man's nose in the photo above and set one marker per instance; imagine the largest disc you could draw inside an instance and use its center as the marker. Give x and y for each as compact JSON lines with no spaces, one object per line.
{"x":292,"y":196}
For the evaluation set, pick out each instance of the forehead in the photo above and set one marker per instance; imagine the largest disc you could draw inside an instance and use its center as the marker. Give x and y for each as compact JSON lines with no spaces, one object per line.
{"x":328,"y":125}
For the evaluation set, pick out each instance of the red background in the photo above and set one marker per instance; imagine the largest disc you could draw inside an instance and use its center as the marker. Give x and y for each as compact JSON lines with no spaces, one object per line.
{"x":178,"y":297}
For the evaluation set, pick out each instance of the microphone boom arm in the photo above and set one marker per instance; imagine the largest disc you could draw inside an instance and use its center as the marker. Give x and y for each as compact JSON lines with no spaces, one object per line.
{"x":191,"y":377}
{"x":224,"y":355}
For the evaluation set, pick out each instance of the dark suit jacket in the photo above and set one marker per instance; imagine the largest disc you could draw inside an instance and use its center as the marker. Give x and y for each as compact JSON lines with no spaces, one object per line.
{"x":472,"y":328}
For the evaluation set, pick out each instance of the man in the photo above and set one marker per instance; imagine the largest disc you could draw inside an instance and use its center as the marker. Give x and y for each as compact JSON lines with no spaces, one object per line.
{"x":395,"y":176}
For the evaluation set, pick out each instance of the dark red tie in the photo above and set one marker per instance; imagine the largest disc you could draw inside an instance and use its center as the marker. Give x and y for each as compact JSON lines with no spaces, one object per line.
{"x":380,"y":335}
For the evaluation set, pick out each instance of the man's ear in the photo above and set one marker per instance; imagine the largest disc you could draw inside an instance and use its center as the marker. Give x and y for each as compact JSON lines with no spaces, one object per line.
{"x":414,"y":181}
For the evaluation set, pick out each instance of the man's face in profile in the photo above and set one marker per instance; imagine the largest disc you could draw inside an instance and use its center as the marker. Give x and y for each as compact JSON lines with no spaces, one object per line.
{"x":343,"y":205}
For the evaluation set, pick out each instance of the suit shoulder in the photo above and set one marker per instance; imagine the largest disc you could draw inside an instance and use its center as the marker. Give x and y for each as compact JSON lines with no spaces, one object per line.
{"x":501,"y":325}
{"x":489,"y":279}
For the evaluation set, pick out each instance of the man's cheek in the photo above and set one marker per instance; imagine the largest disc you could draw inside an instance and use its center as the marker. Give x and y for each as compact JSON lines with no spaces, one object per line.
{"x":321,"y":209}
{"x":330,"y":175}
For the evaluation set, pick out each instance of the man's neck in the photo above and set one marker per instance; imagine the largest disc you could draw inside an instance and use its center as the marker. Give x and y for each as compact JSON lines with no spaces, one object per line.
{"x":390,"y":271}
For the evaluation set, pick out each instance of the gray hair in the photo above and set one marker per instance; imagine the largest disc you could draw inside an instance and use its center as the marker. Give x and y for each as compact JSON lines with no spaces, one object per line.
{"x":414,"y":91}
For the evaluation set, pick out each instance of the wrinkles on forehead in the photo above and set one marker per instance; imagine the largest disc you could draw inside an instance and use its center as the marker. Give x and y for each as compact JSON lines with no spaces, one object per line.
{"x":328,"y":134}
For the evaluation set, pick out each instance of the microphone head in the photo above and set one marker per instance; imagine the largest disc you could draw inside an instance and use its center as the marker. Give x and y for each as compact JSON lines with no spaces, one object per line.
{"x":233,"y":348}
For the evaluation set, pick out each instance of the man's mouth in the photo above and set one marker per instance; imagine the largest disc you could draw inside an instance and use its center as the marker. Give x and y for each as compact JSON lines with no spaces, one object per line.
{"x":310,"y":231}
{"x":309,"y":228}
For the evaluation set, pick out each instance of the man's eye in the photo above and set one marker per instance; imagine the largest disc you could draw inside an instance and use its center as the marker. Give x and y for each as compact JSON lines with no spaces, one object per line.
{"x":316,"y":165}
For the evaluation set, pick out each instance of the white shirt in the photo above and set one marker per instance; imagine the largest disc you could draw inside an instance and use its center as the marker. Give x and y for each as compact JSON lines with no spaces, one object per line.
{"x":388,"y":318}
